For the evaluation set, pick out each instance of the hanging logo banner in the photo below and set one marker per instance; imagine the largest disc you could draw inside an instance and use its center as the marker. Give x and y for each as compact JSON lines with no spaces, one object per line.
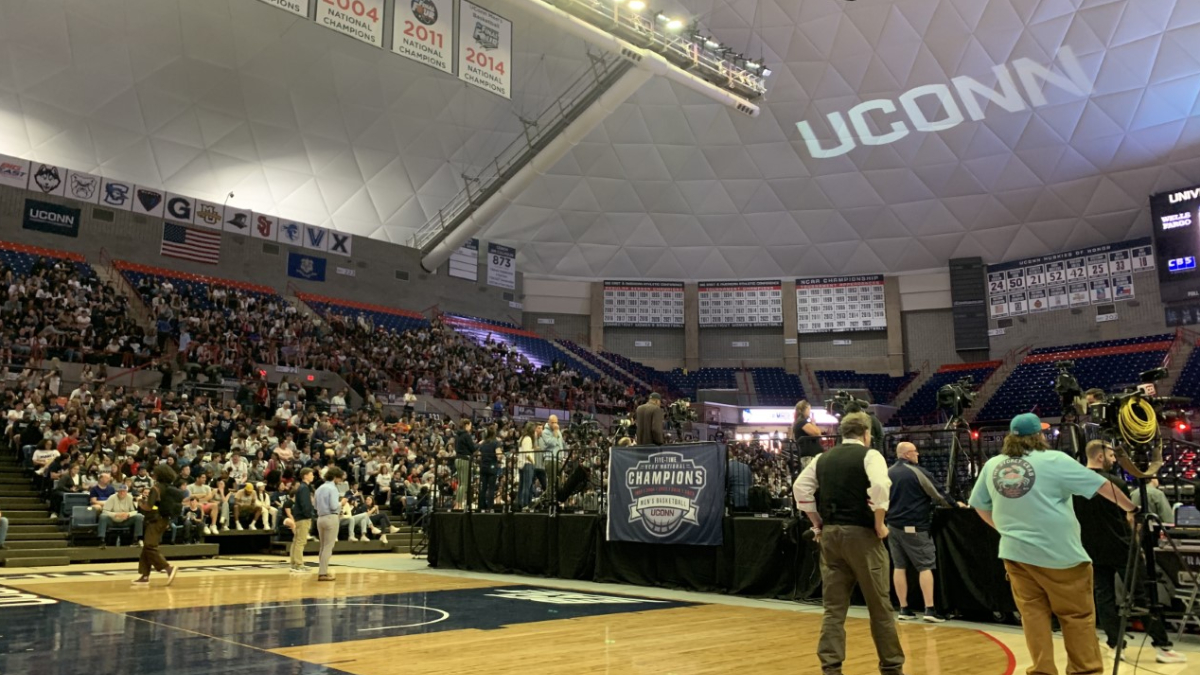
{"x":307,"y":267}
{"x":424,"y":32}
{"x":52,"y":218}
{"x":667,"y":495}
{"x":14,"y":172}
{"x":360,"y":19}
{"x":502,"y":266}
{"x":484,"y":49}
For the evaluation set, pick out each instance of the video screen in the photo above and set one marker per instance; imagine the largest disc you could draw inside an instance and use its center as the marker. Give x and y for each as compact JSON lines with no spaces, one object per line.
{"x":1176,"y":217}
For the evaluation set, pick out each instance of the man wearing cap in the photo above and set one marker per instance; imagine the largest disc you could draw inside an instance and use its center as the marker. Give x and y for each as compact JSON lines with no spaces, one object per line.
{"x":245,"y":502}
{"x":1025,"y":493}
{"x":845,"y":493}
{"x":119,"y":508}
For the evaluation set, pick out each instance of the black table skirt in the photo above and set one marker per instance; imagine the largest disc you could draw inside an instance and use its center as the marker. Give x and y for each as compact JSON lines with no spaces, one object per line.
{"x":761,"y":557}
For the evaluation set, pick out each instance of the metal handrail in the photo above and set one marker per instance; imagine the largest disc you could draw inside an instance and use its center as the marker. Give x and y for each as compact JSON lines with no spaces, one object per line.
{"x":525,"y":143}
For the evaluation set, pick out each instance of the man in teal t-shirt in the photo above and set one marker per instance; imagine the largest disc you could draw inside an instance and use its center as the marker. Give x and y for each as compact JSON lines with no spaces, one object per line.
{"x":1025,"y":493}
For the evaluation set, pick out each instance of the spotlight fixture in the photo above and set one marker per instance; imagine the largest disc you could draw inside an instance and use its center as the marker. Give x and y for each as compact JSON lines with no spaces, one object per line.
{"x":766,"y":72}
{"x":711,"y":43}
{"x":674,"y":24}
{"x":637,"y":5}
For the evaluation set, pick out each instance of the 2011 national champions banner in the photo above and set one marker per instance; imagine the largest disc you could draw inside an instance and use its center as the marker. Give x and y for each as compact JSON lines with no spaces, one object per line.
{"x":669,"y":494}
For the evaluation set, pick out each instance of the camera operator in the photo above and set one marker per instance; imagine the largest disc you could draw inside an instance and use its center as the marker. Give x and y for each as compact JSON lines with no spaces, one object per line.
{"x":845,"y":493}
{"x":876,"y":442}
{"x":1024,"y":494}
{"x":649,"y":420}
{"x":806,"y":434}
{"x":1107,"y":536}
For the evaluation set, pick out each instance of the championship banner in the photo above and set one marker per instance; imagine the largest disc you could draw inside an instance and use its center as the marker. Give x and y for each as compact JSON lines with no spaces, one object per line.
{"x":464,"y":262}
{"x":297,"y":7}
{"x":502,"y":266}
{"x":840,"y":304}
{"x":484,"y":49}
{"x":643,"y":304}
{"x":360,"y":19}
{"x":1095,"y":275}
{"x":424,"y":32}
{"x":671,"y":494}
{"x":736,"y":304}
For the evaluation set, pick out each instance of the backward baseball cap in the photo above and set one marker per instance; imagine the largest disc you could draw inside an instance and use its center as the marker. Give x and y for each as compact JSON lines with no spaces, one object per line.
{"x":1027,"y":424}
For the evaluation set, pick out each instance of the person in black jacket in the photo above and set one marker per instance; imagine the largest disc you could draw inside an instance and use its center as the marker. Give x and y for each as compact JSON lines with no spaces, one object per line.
{"x":1106,"y":535}
{"x":303,"y":513}
{"x":489,"y":469}
{"x":161,"y":507}
{"x":464,"y":450}
{"x":909,"y":517}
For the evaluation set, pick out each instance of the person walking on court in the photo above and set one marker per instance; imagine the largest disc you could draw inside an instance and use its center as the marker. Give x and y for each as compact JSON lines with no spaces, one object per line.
{"x":909,"y":518}
{"x":1025,"y":493}
{"x":845,"y":493}
{"x":303,"y":513}
{"x":161,"y":507}
{"x":329,"y":506}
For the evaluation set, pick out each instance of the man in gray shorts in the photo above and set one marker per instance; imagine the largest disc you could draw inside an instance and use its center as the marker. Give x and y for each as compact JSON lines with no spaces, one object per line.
{"x":913,"y":496}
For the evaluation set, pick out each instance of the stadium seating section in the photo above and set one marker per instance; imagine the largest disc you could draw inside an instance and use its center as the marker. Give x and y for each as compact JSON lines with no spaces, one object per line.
{"x":540,"y":351}
{"x":922,"y":407}
{"x":777,"y":387}
{"x":1108,"y":365}
{"x":388,"y":318}
{"x":883,"y":387}
{"x":194,"y":287}
{"x":21,"y":259}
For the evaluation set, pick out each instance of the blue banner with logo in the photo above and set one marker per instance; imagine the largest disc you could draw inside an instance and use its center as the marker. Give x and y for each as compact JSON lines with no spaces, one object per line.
{"x":52,"y":218}
{"x":668,"y":494}
{"x":305,"y":266}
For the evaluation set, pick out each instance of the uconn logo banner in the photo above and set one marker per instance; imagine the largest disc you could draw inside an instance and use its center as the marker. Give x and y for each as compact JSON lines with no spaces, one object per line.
{"x":667,"y":495}
{"x":52,"y":218}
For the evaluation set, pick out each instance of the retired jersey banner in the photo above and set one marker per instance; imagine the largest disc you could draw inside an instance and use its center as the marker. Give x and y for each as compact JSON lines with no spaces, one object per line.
{"x":484,"y":49}
{"x":669,"y":494}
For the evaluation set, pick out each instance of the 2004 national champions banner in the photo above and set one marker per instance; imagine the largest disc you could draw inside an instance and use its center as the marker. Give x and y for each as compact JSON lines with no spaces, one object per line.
{"x":670,"y":494}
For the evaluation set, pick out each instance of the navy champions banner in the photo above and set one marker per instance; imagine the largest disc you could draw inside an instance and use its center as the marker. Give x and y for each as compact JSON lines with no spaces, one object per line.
{"x":52,"y":218}
{"x":670,"y":494}
{"x":307,"y":267}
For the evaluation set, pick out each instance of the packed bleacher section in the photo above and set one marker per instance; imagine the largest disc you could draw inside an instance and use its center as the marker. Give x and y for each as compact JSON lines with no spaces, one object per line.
{"x":882,"y":387}
{"x":55,"y":307}
{"x":597,"y":364}
{"x":1108,"y":365}
{"x":922,"y":407}
{"x":777,"y":387}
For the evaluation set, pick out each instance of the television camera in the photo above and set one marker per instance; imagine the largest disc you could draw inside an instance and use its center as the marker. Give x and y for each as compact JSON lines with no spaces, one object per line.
{"x":1066,"y":386}
{"x":844,"y":402}
{"x":584,"y":431}
{"x":679,"y":413}
{"x":956,"y":397}
{"x":1134,"y":415}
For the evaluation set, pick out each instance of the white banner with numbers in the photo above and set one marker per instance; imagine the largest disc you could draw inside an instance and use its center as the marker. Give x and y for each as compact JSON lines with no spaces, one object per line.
{"x":484,"y":49}
{"x":1090,"y":276}
{"x":643,"y":304}
{"x":298,"y":7}
{"x":360,"y":19}
{"x":839,"y":304}
{"x":424,"y":32}
{"x":502,"y":266}
{"x":740,"y":303}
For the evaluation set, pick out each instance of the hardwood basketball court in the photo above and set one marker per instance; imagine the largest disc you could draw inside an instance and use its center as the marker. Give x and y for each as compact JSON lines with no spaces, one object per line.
{"x":254,"y":617}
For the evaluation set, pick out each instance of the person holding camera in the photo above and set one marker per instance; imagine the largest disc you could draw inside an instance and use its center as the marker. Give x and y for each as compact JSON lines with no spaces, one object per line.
{"x":649,"y":420}
{"x":845,"y":492}
{"x":1025,"y":494}
{"x":1107,"y":535}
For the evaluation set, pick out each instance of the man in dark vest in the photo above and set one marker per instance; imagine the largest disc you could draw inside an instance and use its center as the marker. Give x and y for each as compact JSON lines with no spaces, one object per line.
{"x":845,"y":493}
{"x":649,"y":419}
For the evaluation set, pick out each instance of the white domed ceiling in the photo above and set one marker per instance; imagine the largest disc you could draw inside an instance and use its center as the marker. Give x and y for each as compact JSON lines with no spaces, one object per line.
{"x":933,"y":129}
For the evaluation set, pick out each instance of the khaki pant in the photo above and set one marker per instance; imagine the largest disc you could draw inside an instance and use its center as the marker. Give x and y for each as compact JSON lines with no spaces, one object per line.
{"x":850,"y":556}
{"x":150,"y":557}
{"x":1040,"y":592}
{"x":299,"y":539}
{"x":327,"y":532}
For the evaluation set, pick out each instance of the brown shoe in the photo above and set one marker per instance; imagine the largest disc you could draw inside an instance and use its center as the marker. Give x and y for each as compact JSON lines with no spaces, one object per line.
{"x":325,"y":577}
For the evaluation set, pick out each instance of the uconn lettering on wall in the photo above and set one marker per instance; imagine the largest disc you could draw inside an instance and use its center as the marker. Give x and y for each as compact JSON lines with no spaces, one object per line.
{"x":855,"y":126}
{"x":52,"y":218}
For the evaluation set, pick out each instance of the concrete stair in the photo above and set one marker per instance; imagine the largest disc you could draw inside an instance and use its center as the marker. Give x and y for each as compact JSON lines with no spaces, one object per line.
{"x":34,"y":540}
{"x":625,"y":373}
{"x":914,"y":385}
{"x":992,"y":385}
{"x":1177,"y":358}
{"x":137,"y":307}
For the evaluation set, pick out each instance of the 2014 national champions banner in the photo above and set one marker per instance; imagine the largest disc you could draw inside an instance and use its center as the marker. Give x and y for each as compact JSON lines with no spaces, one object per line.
{"x":643,"y":304}
{"x":1087,"y":276}
{"x":423,"y":31}
{"x":670,"y":494}
{"x":737,"y":304}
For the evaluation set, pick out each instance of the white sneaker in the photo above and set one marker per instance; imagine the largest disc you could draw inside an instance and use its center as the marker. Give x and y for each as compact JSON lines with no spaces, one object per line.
{"x":352,"y":538}
{"x":1112,"y":654}
{"x":376,"y":530}
{"x":393,"y":529}
{"x":383,"y":539}
{"x":1169,"y":656}
{"x":253,"y":526}
{"x":207,"y":530}
{"x":239,"y":526}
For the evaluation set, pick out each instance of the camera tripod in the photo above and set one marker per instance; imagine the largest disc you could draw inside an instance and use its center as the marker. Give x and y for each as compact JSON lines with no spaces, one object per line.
{"x":1146,"y":529}
{"x":957,"y":425}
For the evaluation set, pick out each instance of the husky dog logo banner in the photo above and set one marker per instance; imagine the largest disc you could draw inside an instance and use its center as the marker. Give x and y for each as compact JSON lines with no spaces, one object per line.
{"x":667,"y":495}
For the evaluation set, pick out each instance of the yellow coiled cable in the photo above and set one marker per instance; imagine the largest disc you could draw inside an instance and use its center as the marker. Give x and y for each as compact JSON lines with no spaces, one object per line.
{"x":1137,"y":421}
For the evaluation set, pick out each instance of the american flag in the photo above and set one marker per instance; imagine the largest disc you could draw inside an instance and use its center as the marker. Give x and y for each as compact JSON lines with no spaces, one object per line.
{"x":184,"y":242}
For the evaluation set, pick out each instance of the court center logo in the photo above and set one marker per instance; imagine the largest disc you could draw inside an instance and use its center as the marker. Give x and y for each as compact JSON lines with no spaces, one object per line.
{"x":1014,"y":477}
{"x":665,"y":488}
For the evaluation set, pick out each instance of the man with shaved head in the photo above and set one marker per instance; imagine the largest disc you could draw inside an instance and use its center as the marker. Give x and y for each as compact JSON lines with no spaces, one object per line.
{"x":913,"y":495}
